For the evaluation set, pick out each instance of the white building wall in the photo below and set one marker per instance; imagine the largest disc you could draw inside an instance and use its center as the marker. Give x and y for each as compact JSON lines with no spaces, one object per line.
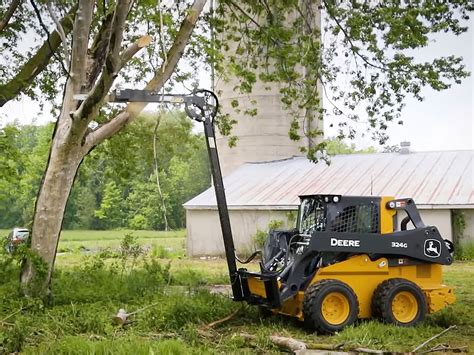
{"x":441,"y":219}
{"x":204,"y":230}
{"x":468,"y":234}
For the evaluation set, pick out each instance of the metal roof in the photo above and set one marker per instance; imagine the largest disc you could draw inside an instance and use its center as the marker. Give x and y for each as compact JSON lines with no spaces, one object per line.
{"x":433,"y":179}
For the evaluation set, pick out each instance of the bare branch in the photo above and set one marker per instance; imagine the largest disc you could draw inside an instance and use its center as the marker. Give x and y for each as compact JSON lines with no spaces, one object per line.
{"x":112,"y":65}
{"x":162,"y":75}
{"x":237,"y":6}
{"x":37,"y":63}
{"x":61,"y":32}
{"x":8,"y":15}
{"x":45,"y":29}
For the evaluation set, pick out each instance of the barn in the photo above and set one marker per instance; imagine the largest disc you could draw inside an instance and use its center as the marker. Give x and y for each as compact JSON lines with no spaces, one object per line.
{"x":441,"y":183}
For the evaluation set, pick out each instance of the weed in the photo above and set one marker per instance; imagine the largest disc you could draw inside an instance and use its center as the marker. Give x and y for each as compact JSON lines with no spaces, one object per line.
{"x":161,"y":252}
{"x":464,"y":251}
{"x":260,"y":236}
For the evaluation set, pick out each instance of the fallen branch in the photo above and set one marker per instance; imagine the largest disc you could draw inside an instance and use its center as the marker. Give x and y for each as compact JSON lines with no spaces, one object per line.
{"x":367,"y":351}
{"x":2,"y":323}
{"x":288,"y":343}
{"x":220,"y":321}
{"x":433,"y":338}
{"x":298,"y":346}
{"x":11,"y":315}
{"x":446,"y":347}
{"x":247,"y":336}
{"x":321,"y":346}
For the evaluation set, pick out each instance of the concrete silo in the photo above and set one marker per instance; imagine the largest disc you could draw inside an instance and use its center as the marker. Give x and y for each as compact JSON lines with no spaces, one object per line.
{"x":265,"y":136}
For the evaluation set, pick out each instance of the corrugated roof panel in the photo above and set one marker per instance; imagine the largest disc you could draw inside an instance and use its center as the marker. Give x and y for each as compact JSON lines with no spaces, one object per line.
{"x":430,"y":178}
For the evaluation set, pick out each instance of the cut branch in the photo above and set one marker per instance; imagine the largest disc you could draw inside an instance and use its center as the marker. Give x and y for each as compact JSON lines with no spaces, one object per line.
{"x":162,"y":75}
{"x":37,"y":62}
{"x":433,"y":338}
{"x":133,"y":49}
{"x":8,"y":15}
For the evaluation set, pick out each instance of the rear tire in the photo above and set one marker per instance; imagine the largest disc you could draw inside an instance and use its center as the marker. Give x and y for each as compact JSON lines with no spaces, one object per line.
{"x":329,"y":306}
{"x":400,"y":302}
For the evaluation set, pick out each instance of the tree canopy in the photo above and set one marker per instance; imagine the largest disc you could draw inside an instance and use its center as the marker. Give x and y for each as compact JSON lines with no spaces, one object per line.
{"x":370,"y":45}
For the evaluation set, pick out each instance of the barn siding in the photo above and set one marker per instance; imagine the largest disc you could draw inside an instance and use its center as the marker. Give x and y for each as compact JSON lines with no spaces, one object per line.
{"x":204,"y":231}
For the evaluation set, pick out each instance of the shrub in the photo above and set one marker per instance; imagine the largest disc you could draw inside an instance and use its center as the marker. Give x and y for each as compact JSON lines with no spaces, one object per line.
{"x":464,"y":251}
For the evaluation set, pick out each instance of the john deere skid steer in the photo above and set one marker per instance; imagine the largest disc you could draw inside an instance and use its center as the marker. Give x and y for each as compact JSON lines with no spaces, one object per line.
{"x":352,"y":257}
{"x":348,"y":258}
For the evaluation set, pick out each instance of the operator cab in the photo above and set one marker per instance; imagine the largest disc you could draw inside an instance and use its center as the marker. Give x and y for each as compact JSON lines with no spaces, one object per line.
{"x":336,"y":213}
{"x":319,"y":214}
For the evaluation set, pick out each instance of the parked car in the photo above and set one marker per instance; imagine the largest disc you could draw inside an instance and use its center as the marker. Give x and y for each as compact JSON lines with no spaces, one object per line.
{"x":15,"y":237}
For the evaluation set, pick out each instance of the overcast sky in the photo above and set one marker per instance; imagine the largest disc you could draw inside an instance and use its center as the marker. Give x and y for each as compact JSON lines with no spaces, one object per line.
{"x":443,"y":121}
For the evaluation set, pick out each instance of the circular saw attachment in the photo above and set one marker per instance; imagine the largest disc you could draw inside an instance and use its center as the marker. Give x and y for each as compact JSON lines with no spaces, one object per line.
{"x":201,"y":105}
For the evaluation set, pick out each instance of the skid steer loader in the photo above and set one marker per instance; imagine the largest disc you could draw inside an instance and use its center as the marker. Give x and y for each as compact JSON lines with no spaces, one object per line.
{"x":349,"y":257}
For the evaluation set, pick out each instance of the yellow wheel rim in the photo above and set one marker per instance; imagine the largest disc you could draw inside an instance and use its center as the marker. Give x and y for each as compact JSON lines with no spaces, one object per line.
{"x":335,"y":308}
{"x":404,"y":307}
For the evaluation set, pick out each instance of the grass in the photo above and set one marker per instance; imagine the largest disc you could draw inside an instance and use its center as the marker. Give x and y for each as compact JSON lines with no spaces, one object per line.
{"x":89,"y":288}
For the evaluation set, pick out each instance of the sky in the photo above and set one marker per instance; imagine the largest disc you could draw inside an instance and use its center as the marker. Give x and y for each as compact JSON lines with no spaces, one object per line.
{"x":443,"y":121}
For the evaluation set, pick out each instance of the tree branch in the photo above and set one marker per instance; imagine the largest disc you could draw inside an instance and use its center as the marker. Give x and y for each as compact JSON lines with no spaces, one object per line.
{"x":80,"y":37}
{"x":348,"y":38}
{"x":245,"y":14}
{"x":37,"y":63}
{"x":98,"y":50}
{"x":162,"y":75}
{"x":8,"y":15}
{"x":133,"y":49}
{"x":110,"y":70}
{"x":61,"y":33}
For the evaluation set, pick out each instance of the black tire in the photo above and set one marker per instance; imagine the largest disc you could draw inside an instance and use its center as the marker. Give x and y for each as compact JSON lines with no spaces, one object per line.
{"x":316,"y":294}
{"x":383,"y":302}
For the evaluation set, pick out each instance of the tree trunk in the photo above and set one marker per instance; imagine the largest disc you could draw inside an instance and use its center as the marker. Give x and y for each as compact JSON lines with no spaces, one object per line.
{"x":65,"y":157}
{"x":72,"y":139}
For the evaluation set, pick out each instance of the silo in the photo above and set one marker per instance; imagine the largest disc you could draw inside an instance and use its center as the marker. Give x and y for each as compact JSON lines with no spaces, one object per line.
{"x":263,"y":137}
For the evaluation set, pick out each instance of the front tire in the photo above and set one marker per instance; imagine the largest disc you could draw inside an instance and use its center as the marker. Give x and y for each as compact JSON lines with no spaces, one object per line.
{"x":400,"y":302}
{"x":329,"y":306}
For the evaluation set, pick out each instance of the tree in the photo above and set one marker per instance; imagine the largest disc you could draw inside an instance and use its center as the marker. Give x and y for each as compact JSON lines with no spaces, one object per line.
{"x":276,"y":42}
{"x":109,"y":211}
{"x":93,"y":69}
{"x":336,"y":146}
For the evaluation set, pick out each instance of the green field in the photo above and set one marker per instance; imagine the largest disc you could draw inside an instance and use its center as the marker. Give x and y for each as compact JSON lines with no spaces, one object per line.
{"x":94,"y":278}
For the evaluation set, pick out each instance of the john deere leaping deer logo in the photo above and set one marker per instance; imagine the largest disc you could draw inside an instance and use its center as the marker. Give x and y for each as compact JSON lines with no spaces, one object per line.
{"x":432,"y":248}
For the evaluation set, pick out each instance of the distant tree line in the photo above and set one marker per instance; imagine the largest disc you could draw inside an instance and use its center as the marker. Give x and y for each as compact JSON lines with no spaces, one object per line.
{"x":116,"y":186}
